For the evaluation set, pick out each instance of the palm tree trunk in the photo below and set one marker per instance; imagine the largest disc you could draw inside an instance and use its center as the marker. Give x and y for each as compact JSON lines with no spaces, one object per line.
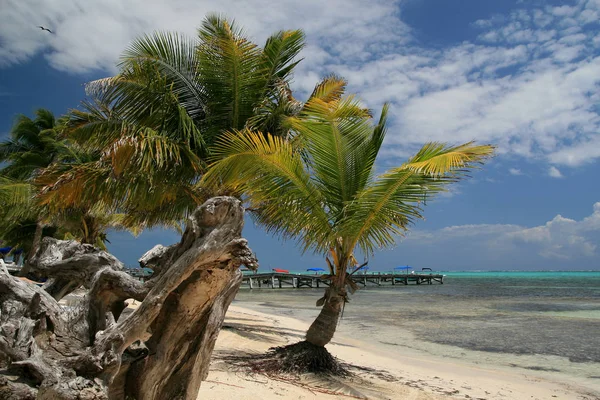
{"x":323,"y":328}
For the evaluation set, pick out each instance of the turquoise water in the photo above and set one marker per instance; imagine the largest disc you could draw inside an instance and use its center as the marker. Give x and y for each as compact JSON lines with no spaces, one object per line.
{"x":545,"y":321}
{"x":523,"y":274}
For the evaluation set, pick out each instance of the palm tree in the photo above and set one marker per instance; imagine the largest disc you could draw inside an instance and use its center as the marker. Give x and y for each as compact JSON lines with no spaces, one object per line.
{"x":34,"y":144}
{"x":322,"y":188}
{"x":153,"y":123}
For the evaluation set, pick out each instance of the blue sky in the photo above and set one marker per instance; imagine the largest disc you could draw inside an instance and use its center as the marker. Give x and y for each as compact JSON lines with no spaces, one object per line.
{"x":522,"y":75}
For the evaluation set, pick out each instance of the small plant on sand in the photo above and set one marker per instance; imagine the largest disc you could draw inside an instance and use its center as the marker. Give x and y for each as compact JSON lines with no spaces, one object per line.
{"x":321,"y":188}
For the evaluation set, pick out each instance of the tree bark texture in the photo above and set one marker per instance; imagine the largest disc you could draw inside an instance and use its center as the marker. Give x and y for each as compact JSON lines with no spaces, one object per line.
{"x":93,"y":350}
{"x":323,"y":328}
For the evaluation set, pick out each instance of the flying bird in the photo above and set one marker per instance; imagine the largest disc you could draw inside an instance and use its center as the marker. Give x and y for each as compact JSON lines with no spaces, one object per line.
{"x":45,"y":29}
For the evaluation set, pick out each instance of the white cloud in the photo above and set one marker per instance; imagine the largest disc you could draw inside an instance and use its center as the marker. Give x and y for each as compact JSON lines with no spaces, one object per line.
{"x":528,"y":82}
{"x":515,"y":171}
{"x":554,"y":172}
{"x":561,"y":237}
{"x":92,"y":34}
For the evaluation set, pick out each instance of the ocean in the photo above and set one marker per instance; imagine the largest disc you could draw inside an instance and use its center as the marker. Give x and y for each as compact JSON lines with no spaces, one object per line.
{"x":537,"y":321}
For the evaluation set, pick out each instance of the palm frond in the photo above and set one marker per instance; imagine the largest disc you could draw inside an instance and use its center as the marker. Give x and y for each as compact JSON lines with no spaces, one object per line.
{"x":437,"y":159}
{"x":279,"y":54}
{"x":15,"y":194}
{"x":231,"y":75}
{"x":174,"y":57}
{"x":329,"y":89}
{"x":331,"y":133}
{"x":393,"y":200}
{"x":271,"y":171}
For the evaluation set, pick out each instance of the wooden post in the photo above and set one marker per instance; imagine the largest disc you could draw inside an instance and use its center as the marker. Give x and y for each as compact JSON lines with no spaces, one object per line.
{"x":250,"y":282}
{"x":273,"y":281}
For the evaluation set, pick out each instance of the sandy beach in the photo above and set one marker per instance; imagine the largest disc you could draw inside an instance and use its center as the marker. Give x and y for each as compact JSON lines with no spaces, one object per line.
{"x":405,"y":374}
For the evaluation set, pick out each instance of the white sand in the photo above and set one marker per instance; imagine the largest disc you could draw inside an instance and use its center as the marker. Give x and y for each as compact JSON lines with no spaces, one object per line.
{"x":409,"y":374}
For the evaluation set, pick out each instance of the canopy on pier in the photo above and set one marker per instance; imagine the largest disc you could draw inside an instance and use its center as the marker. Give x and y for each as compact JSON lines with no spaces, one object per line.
{"x":315,"y":269}
{"x":282,"y":271}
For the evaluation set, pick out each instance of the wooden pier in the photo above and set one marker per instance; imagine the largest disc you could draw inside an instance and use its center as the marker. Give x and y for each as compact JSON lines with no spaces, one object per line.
{"x":280,"y":280}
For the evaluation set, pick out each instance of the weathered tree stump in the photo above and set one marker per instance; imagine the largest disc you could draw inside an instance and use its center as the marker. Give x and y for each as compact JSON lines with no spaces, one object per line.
{"x":160,"y":351}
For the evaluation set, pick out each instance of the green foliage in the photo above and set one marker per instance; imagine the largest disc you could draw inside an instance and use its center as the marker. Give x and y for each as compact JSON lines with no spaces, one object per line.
{"x":36,"y":147}
{"x":152,"y":124}
{"x":33,"y":144}
{"x":321,"y":188}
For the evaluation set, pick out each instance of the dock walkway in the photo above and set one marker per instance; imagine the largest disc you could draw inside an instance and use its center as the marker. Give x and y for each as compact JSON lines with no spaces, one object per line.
{"x":280,"y":280}
{"x":286,"y":280}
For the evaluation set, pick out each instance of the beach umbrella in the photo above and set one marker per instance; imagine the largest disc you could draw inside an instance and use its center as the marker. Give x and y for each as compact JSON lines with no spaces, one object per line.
{"x":315,"y":269}
{"x":405,"y":268}
{"x":4,"y":251}
{"x":282,"y":271}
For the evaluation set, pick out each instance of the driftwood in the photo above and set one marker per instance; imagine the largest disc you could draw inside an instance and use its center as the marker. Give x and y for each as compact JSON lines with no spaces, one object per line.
{"x":93,"y":351}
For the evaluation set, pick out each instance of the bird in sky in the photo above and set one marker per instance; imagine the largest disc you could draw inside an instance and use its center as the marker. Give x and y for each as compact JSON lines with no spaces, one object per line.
{"x":45,"y":29}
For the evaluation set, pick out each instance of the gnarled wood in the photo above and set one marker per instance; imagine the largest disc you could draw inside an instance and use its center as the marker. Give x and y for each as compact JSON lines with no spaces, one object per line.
{"x":90,"y":351}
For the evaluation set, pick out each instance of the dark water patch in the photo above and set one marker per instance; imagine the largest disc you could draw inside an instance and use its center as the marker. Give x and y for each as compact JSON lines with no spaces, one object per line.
{"x":545,"y":307}
{"x":536,"y":368}
{"x":549,"y":336}
{"x":280,"y":306}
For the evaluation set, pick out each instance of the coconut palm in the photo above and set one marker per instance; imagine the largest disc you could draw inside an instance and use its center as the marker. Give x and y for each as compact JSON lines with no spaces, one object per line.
{"x":33,"y":144}
{"x":18,"y":214}
{"x":154,"y":121}
{"x":322,"y":188}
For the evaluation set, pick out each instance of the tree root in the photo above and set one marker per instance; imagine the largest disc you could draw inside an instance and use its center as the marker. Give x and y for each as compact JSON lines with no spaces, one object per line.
{"x":298,"y":358}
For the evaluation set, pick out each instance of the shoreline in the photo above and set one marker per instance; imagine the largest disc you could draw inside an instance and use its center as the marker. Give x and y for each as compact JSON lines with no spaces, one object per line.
{"x":405,"y":373}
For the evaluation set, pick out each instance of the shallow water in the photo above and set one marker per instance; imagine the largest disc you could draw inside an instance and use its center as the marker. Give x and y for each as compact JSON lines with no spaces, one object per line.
{"x":544,"y":321}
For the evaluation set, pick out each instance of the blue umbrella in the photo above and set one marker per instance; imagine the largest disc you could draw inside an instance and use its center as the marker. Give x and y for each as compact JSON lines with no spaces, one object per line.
{"x":315,"y":269}
{"x":405,"y":268}
{"x":5,"y":250}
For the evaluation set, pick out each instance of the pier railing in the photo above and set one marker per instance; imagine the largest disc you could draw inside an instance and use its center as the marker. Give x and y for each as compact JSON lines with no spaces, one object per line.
{"x":286,"y":280}
{"x":282,"y":280}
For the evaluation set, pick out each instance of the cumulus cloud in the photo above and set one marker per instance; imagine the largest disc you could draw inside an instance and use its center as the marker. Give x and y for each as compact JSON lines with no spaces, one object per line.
{"x":560,"y":238}
{"x":554,"y":172}
{"x":515,"y":171}
{"x":527,"y":81}
{"x":90,"y":35}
